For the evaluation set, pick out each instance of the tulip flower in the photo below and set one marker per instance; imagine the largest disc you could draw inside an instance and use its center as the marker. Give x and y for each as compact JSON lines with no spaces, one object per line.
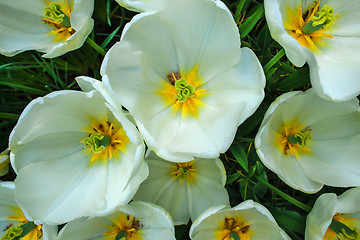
{"x":325,"y":35}
{"x":51,"y":27}
{"x":181,"y":73}
{"x":308,"y":141}
{"x":15,"y":223}
{"x":185,"y":190}
{"x":248,"y":220}
{"x":75,"y":156}
{"x":335,"y":217}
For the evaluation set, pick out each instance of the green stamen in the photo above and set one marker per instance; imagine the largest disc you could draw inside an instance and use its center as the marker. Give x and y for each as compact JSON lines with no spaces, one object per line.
{"x":343,"y":231}
{"x":185,"y":90}
{"x":97,"y":142}
{"x":324,"y":19}
{"x":234,"y":236}
{"x":121,"y":235}
{"x":53,"y":11}
{"x":12,"y":233}
{"x":301,"y":138}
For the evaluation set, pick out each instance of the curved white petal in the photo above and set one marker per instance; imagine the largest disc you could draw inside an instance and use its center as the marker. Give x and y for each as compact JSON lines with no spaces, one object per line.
{"x":22,"y":28}
{"x":54,"y":167}
{"x":347,"y":202}
{"x":334,"y":71}
{"x":154,"y":223}
{"x":320,"y":217}
{"x":61,"y":186}
{"x":275,"y":13}
{"x":156,"y":44}
{"x":56,"y":117}
{"x":187,"y":197}
{"x":261,"y":224}
{"x":335,"y":131}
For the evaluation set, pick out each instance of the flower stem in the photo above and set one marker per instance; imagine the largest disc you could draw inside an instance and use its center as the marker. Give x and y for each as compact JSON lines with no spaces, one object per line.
{"x":95,"y":46}
{"x":285,"y":196}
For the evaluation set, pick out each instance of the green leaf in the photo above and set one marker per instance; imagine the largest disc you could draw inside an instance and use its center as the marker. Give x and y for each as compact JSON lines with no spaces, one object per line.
{"x":239,"y":153}
{"x":291,"y":221}
{"x":274,"y":60}
{"x":232,"y":178}
{"x":251,"y":21}
{"x":295,"y":80}
{"x":9,"y":115}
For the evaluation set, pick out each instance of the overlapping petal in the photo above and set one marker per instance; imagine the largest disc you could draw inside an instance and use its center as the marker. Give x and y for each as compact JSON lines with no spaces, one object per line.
{"x":158,"y":46}
{"x":59,"y":177}
{"x":185,"y":190}
{"x":140,"y":220}
{"x":22,"y":27}
{"x":329,"y":152}
{"x":330,"y":209}
{"x":331,"y":52}
{"x":248,"y":220}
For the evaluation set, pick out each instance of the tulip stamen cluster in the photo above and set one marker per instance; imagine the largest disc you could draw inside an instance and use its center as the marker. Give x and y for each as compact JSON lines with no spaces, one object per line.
{"x":234,"y":229}
{"x":184,"y":171}
{"x":341,"y":227}
{"x":124,"y":227}
{"x":105,"y":141}
{"x":293,"y":140}
{"x":58,"y":16}
{"x":27,"y":228}
{"x":308,"y":28}
{"x":183,"y":92}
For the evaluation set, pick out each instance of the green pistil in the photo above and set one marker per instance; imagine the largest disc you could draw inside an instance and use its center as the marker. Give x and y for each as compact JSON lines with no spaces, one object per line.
{"x":234,"y":236}
{"x":343,"y":231}
{"x":97,"y":142}
{"x":53,"y":11}
{"x":184,"y":173}
{"x":185,"y":90}
{"x":301,"y":138}
{"x":121,"y":235}
{"x":324,"y":19}
{"x":13,"y":233}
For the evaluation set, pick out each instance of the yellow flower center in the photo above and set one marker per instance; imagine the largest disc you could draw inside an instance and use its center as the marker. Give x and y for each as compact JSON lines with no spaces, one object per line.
{"x":183,"y":92}
{"x":308,"y":28}
{"x":27,"y":230}
{"x":184,"y":171}
{"x":58,"y":16}
{"x":105,"y":141}
{"x":343,"y":227}
{"x":293,"y":139}
{"x":233,"y":229}
{"x":124,"y":227}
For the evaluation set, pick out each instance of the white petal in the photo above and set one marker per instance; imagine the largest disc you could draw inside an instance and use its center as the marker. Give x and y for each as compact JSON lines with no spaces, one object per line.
{"x":60,"y":119}
{"x":208,"y":189}
{"x":82,"y":229}
{"x":348,"y":201}
{"x":320,"y":217}
{"x":88,"y":84}
{"x":287,"y":168}
{"x":276,"y":14}
{"x":61,"y":190}
{"x":346,"y":23}
{"x":334,"y":70}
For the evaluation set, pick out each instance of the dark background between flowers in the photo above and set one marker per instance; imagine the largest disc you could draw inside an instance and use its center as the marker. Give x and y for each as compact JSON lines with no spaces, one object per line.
{"x":28,"y":76}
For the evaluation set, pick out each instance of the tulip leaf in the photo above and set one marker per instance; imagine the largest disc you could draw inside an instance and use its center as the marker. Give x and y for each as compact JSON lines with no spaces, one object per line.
{"x":239,"y":153}
{"x":232,"y":178}
{"x":289,"y":220}
{"x":295,"y":80}
{"x":251,"y":21}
